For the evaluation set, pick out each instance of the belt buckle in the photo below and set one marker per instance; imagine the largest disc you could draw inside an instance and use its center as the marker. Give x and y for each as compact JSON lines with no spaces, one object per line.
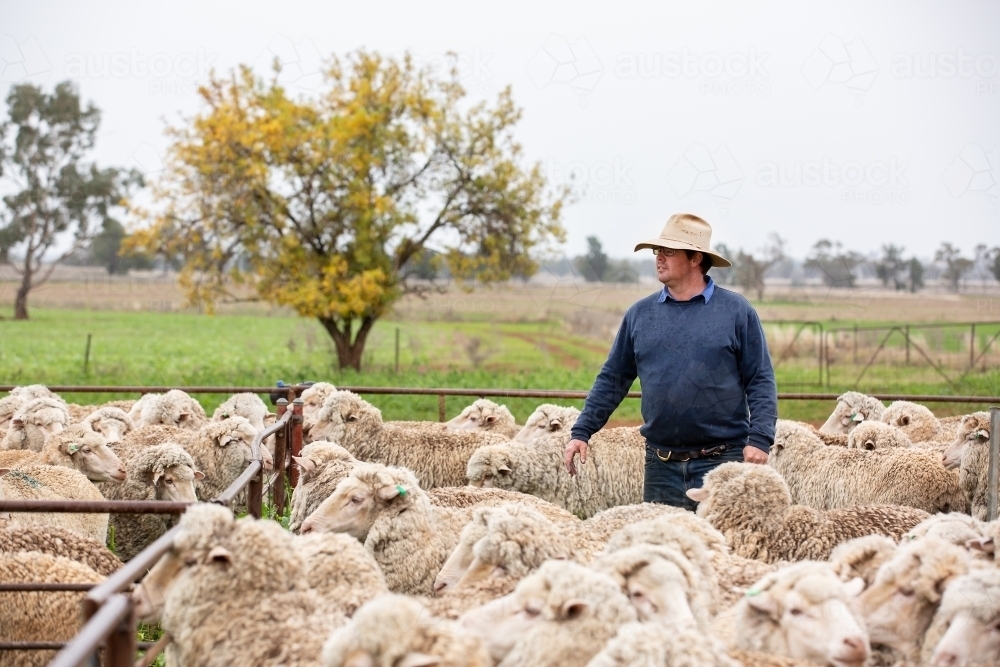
{"x":665,"y":460}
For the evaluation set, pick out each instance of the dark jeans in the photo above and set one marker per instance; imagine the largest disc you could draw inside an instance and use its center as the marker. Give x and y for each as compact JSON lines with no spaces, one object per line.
{"x":666,"y":483}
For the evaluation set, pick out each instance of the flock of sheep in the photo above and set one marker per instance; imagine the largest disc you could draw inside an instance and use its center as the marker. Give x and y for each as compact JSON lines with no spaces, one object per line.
{"x":467,"y":544}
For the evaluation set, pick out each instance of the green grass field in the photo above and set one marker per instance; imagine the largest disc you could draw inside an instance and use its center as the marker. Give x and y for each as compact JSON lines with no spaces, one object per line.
{"x":144,"y":348}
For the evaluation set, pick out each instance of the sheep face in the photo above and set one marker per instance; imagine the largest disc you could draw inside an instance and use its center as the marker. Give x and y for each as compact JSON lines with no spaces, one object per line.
{"x":175,"y":483}
{"x":900,"y":603}
{"x":852,"y":409}
{"x":658,"y":591}
{"x":501,"y":623}
{"x":809,"y":619}
{"x":241,"y":434}
{"x":969,"y":640}
{"x":872,"y":435}
{"x":92,"y":457}
{"x":110,"y":428}
{"x":344,"y":418}
{"x":975,"y":428}
{"x":353,"y":507}
{"x":482,"y":415}
{"x":546,"y":420}
{"x":149,"y":595}
{"x":491,"y":467}
{"x":313,"y":397}
{"x":462,"y":556}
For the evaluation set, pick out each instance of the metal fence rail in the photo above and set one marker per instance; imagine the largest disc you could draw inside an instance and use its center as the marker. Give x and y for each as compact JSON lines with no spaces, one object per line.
{"x":110,"y":619}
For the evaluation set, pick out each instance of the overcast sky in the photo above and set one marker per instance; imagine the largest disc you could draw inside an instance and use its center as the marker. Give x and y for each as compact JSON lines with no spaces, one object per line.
{"x":864,"y":122}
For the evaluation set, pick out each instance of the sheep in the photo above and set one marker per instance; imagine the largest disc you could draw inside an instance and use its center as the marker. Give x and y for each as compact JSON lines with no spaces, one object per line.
{"x":954,"y":527}
{"x":563,"y":614}
{"x":801,"y":611}
{"x":79,"y":413}
{"x":609,"y":478}
{"x":36,"y":616}
{"x":157,"y":472}
{"x":485,"y":415}
{"x":547,"y":419}
{"x":228,"y":579}
{"x":861,"y":557}
{"x":9,"y":405}
{"x":900,"y":604}
{"x":109,"y":422}
{"x":916,"y":421}
{"x":438,"y":457}
{"x":832,"y":477}
{"x":752,"y":507}
{"x":220,"y":450}
{"x":246,"y":405}
{"x":964,"y":630}
{"x":340,"y":569}
{"x":852,"y":409}
{"x":470,"y":496}
{"x":34,"y":422}
{"x":313,"y":397}
{"x":871,"y":435}
{"x":322,"y":465}
{"x":32,"y":391}
{"x":16,"y":536}
{"x":970,"y":452}
{"x":78,"y":448}
{"x":174,"y":408}
{"x":36,"y":481}
{"x":396,"y":631}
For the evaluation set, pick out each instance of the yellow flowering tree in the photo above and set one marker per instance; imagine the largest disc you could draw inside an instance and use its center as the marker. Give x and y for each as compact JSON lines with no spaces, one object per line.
{"x":325,"y":204}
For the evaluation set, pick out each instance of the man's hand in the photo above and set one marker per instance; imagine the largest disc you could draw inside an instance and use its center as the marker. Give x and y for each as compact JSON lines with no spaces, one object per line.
{"x":574,"y":447}
{"x":751,"y":454}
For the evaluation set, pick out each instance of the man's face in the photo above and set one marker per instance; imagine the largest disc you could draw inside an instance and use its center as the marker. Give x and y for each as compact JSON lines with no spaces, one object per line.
{"x":674,"y":266}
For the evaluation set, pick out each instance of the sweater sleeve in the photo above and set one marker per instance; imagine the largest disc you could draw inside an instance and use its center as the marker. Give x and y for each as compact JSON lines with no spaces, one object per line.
{"x":758,"y":382}
{"x":610,"y":386}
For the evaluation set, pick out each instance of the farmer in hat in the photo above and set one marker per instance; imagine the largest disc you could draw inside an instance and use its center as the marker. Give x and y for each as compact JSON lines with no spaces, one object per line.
{"x":708,"y":390}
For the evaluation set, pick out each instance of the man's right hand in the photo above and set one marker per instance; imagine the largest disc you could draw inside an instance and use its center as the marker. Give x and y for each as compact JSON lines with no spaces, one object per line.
{"x":572,"y":449}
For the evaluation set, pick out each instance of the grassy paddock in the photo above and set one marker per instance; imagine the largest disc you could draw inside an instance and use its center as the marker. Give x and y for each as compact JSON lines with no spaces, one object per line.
{"x":142,"y":348}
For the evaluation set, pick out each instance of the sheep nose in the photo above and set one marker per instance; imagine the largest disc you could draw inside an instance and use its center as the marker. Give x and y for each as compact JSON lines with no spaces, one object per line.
{"x":857,"y":648}
{"x":945,"y":659}
{"x":440,"y":586}
{"x":306,"y":528}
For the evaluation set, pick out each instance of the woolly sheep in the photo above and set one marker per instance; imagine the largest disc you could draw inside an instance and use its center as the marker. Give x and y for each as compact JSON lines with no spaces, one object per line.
{"x":852,"y":408}
{"x":322,"y":465}
{"x":79,"y":413}
{"x":452,"y":603}
{"x":953,"y":527}
{"x":77,"y":448}
{"x":472,"y":497}
{"x":966,"y":622}
{"x":970,"y":452}
{"x":157,"y":472}
{"x":801,"y":611}
{"x":652,"y":645}
{"x":226,"y":578}
{"x":438,"y":457}
{"x":220,"y":450}
{"x":563,"y":614}
{"x":547,"y":419}
{"x":110,"y":423}
{"x":609,"y":478}
{"x":899,"y":606}
{"x":34,"y":422}
{"x":43,"y":615}
{"x":871,"y":435}
{"x":246,"y":405}
{"x":751,"y":506}
{"x":485,"y":415}
{"x":174,"y":408}
{"x":42,"y":482}
{"x":32,"y":391}
{"x":313,"y":397}
{"x":915,"y":420}
{"x":861,"y":557}
{"x":340,"y":569}
{"x":396,"y":631}
{"x":9,"y":406}
{"x":831,"y":477}
{"x":16,"y":536}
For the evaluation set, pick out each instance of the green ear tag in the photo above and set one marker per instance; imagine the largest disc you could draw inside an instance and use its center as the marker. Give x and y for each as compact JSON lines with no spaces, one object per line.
{"x":752,"y":592}
{"x":402,"y":491}
{"x":73,"y":449}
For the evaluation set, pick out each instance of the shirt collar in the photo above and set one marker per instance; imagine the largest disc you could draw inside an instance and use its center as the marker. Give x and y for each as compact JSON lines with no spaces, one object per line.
{"x":707,"y":292}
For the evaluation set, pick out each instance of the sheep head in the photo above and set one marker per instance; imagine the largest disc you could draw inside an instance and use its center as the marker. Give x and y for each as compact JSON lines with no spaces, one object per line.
{"x":872,"y":435}
{"x":852,"y":408}
{"x":491,"y":466}
{"x":461,"y":557}
{"x":546,"y":420}
{"x":368,"y":492}
{"x":861,"y":557}
{"x":482,"y":415}
{"x":42,"y":418}
{"x":344,"y":418}
{"x":168,"y":470}
{"x":913,"y":419}
{"x":970,"y":618}
{"x":110,"y":423}
{"x":725,"y":491}
{"x":803,"y":611}
{"x":313,"y":397}
{"x":238,"y":432}
{"x":82,"y":449}
{"x":246,"y":405}
{"x":899,"y":605}
{"x":974,"y":430}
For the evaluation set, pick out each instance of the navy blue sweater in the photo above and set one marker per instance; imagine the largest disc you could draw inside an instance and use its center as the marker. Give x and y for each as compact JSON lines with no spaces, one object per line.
{"x":704,"y":369}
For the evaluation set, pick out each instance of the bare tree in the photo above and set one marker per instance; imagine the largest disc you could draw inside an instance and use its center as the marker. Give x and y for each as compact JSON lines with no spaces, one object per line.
{"x":749,"y":269}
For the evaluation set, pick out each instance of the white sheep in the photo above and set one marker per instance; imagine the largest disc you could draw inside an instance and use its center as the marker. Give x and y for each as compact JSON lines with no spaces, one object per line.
{"x":852,"y":409}
{"x":485,"y":415}
{"x":970,"y":453}
{"x":547,"y":419}
{"x":916,"y":421}
{"x":35,"y":421}
{"x":78,"y":448}
{"x":44,"y":482}
{"x":174,"y":408}
{"x":313,"y":397}
{"x":322,"y":465}
{"x":653,"y":645}
{"x":872,"y":435}
{"x":967,"y":622}
{"x":110,"y":422}
{"x":16,"y":536}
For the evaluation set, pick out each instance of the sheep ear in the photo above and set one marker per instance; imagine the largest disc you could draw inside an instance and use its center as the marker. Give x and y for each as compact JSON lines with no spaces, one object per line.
{"x":4,"y":471}
{"x":490,"y":419}
{"x":573,"y":609}
{"x":225,"y":440}
{"x":418,"y":660}
{"x":73,"y":449}
{"x":858,"y":417}
{"x":555,"y":425}
{"x":220,"y":555}
{"x":199,"y":475}
{"x":306,"y":465}
{"x":157,"y":476}
{"x":984,"y":544}
{"x":504,"y":468}
{"x":183,"y":416}
{"x":763,"y":603}
{"x":387,"y":493}
{"x":698,"y":495}
{"x":855,"y":586}
{"x":17,"y":421}
{"x":905,"y":420}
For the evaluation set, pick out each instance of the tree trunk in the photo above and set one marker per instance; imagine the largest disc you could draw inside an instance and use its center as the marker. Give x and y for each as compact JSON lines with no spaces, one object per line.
{"x":21,"y":301}
{"x":349,"y":350}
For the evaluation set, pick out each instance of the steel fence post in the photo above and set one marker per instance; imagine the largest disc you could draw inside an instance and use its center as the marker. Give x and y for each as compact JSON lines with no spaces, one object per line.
{"x":994,"y":463}
{"x":120,"y":649}
{"x":278,"y":474}
{"x":296,"y":440}
{"x":440,"y":407}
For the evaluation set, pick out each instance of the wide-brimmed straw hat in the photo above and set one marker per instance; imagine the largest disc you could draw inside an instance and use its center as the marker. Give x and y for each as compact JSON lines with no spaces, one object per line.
{"x":684,"y":231}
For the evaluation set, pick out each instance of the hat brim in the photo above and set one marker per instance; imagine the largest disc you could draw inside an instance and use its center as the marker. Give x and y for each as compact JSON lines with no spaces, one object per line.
{"x":717,"y":260}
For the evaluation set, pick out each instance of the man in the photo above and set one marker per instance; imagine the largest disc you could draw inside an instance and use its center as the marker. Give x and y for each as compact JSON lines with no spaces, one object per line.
{"x":708,"y":390}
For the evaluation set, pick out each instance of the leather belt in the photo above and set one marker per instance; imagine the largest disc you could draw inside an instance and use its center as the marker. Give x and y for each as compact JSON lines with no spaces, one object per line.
{"x":680,"y":457}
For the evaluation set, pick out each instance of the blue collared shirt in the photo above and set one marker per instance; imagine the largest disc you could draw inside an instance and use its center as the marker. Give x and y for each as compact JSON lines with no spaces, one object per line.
{"x":707,"y":292}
